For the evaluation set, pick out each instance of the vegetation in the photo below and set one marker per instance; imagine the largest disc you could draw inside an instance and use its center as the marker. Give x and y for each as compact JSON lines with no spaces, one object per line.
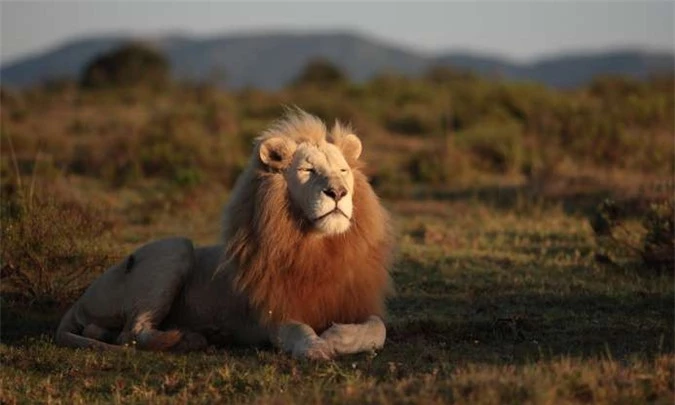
{"x":515,"y":284}
{"x":320,"y":72}
{"x":653,"y":246}
{"x":459,"y":129}
{"x":51,"y":248}
{"x":134,"y":64}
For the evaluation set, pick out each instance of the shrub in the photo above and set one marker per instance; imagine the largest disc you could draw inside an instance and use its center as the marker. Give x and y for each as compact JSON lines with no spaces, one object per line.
{"x":438,"y":166}
{"x":132,"y":64}
{"x":649,"y":246}
{"x":52,"y":247}
{"x":179,"y":146}
{"x":413,"y":119}
{"x":390,"y":180}
{"x":658,"y":244}
{"x":168,"y":145}
{"x":440,"y":75}
{"x":320,"y":72}
{"x":111,"y":158}
{"x":614,"y":87}
{"x":496,"y":146}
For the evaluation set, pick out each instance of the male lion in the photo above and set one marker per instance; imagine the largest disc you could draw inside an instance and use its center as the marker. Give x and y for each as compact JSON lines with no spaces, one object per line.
{"x":303,"y":264}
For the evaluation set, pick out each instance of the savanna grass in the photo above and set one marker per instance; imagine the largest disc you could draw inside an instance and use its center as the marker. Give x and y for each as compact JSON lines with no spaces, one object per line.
{"x":500,"y":297}
{"x":493,"y":306}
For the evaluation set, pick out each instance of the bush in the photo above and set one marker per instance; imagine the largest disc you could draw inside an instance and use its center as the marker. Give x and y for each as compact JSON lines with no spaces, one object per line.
{"x":440,"y":75}
{"x":52,"y":247}
{"x":649,"y":246}
{"x":658,"y":244}
{"x":413,"y":119}
{"x":438,"y":166}
{"x":133,"y":64}
{"x":111,"y":158}
{"x":177,"y":146}
{"x":496,"y":146}
{"x":320,"y":72}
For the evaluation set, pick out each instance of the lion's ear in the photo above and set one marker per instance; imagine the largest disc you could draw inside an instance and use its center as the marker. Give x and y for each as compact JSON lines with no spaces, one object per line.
{"x":351,"y":147}
{"x":277,"y":152}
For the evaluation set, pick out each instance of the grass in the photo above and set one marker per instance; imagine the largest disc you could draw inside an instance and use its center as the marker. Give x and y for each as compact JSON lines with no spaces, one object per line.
{"x":500,"y":297}
{"x":496,"y":303}
{"x":264,"y":377}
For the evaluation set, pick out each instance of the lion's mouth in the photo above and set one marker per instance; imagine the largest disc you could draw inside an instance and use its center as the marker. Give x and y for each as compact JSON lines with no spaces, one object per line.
{"x":336,"y":210}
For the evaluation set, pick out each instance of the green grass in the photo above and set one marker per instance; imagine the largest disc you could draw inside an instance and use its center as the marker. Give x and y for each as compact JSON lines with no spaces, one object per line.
{"x":495,"y":304}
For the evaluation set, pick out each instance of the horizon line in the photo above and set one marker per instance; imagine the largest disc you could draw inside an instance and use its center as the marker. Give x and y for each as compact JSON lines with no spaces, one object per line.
{"x":355,"y":32}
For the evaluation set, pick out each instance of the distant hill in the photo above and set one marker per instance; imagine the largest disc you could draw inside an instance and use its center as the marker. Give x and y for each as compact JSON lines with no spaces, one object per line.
{"x":272,"y":60}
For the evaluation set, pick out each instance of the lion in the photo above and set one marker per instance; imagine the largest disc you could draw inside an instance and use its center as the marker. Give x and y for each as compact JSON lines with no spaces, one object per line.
{"x":303,"y":264}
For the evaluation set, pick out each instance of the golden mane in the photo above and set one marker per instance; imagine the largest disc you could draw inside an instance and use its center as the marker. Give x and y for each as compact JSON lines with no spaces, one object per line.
{"x":286,"y":270}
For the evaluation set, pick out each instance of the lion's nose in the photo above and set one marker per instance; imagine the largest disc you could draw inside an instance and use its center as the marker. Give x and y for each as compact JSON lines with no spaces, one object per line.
{"x":336,"y":193}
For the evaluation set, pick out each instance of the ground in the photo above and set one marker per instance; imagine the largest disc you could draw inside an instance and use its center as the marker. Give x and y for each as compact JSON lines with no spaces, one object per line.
{"x":499,"y":300}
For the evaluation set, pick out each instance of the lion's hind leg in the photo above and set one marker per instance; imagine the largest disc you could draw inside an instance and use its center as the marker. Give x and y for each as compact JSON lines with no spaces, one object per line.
{"x":154,"y":280}
{"x":93,"y":331}
{"x":142,"y":333}
{"x":71,"y":334}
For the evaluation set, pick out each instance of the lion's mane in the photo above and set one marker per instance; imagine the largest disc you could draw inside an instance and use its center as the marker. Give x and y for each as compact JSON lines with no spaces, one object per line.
{"x":286,"y":271}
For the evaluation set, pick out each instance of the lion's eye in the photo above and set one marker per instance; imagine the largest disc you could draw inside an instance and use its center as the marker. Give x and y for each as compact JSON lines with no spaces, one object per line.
{"x":343,"y":171}
{"x":306,"y":169}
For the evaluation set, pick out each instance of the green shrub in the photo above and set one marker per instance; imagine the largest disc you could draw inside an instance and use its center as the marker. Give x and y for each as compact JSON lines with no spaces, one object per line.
{"x":495,"y":146}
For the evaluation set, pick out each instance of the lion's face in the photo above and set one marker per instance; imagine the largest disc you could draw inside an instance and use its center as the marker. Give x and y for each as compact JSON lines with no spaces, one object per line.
{"x":321,"y":184}
{"x":319,"y":179}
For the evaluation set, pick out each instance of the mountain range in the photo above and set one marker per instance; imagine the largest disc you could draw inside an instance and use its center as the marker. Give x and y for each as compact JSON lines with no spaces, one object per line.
{"x":271,"y":60}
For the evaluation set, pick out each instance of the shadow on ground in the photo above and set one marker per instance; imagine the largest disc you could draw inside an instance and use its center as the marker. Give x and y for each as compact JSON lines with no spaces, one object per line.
{"x":525,"y":327}
{"x":496,"y":329}
{"x":579,"y":199}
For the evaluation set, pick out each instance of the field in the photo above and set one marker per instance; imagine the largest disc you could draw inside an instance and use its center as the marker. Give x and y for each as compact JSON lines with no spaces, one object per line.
{"x":505,"y":293}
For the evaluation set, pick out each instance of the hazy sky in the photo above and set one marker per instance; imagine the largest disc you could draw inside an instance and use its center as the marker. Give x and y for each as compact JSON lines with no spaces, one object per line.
{"x":522,"y":30}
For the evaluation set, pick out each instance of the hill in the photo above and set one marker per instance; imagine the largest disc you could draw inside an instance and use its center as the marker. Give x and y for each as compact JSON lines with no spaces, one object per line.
{"x":272,"y":60}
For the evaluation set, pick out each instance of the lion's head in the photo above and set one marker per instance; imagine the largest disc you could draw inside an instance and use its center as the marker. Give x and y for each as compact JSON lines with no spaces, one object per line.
{"x":318,"y":175}
{"x":304,"y":229}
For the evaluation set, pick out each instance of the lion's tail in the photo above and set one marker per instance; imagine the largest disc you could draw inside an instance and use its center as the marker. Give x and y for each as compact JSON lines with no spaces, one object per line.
{"x":67,"y":336}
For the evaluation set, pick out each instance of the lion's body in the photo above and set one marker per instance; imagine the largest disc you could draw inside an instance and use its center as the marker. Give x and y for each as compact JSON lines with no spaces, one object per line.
{"x":210,"y":305}
{"x":286,"y":270}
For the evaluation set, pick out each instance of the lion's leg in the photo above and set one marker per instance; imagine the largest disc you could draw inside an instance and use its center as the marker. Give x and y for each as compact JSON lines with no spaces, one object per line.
{"x":356,"y":337}
{"x":154,"y":280}
{"x":142,"y":333}
{"x":93,"y":331}
{"x":301,"y":340}
{"x":67,"y":334}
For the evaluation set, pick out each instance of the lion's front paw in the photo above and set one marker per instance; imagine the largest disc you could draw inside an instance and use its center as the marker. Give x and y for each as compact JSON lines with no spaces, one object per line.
{"x":315,"y":349}
{"x":354,"y":338}
{"x":341,"y":334}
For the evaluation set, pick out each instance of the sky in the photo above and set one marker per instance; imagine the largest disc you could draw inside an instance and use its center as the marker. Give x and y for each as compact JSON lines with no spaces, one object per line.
{"x":519,"y":30}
